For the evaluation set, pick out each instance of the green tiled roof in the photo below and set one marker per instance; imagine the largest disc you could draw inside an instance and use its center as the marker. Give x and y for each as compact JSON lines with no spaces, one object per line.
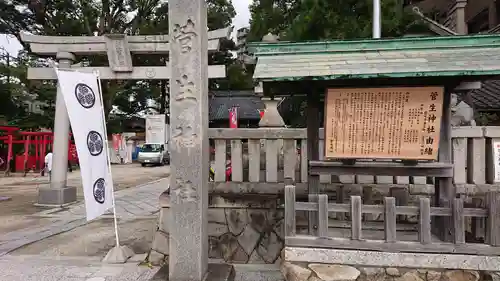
{"x":477,"y":55}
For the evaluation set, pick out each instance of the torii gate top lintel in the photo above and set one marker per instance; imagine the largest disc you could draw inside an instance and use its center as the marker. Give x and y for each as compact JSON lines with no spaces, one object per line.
{"x":138,"y":44}
{"x":119,"y":49}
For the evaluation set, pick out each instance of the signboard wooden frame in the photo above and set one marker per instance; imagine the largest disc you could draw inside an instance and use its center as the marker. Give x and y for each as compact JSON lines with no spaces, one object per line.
{"x":383,"y":123}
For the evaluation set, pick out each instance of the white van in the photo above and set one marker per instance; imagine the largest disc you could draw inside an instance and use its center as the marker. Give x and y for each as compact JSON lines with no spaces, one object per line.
{"x":153,"y":154}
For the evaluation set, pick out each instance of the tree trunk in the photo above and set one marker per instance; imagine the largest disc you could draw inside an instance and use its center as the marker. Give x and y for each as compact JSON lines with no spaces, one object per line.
{"x":163,"y":96}
{"x":107,"y":97}
{"x":165,"y":100}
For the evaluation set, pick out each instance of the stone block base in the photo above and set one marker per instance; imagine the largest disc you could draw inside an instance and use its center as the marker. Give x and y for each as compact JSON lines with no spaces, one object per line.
{"x":56,"y":197}
{"x":216,"y":272}
{"x":249,"y":229}
{"x":323,"y":272}
{"x":243,"y":230}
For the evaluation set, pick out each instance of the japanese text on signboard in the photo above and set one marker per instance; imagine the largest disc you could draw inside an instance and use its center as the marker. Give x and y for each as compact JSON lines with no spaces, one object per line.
{"x":496,"y":160}
{"x":394,"y":123}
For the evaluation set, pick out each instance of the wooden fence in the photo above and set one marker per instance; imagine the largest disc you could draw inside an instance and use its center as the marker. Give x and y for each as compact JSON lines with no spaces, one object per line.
{"x":319,"y":237}
{"x":262,"y":158}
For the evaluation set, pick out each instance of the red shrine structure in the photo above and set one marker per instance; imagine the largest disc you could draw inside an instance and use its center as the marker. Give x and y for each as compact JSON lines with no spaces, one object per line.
{"x":27,"y":150}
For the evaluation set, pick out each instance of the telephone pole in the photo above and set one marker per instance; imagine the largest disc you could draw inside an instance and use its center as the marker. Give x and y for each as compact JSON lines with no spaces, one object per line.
{"x":376,"y":19}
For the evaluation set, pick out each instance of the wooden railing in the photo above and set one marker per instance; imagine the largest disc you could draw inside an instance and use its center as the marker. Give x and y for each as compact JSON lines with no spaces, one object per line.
{"x":320,"y":238}
{"x":262,"y":158}
{"x":260,"y":155}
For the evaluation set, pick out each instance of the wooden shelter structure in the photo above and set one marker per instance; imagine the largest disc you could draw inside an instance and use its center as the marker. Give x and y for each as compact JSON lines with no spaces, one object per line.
{"x":449,"y":63}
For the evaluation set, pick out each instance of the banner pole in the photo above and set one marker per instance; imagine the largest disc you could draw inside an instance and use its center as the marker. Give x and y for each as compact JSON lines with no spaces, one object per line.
{"x":59,"y":193}
{"x":108,"y":159}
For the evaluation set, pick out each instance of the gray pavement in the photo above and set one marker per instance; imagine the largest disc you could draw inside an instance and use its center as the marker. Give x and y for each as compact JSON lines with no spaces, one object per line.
{"x":131,"y":203}
{"x":37,"y":268}
{"x":16,"y":239}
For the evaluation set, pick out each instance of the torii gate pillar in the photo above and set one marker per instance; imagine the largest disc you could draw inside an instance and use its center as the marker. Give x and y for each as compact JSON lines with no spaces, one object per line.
{"x":59,"y":193}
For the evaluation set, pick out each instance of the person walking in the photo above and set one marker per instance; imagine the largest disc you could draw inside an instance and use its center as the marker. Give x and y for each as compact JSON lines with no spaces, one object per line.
{"x":48,"y":163}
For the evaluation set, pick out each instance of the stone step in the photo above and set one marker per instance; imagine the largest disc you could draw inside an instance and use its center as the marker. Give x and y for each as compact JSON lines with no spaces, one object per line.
{"x":216,"y":272}
{"x":257,"y":272}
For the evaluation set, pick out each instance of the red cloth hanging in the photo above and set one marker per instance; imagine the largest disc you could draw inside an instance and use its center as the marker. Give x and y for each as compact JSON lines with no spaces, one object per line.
{"x":233,"y":117}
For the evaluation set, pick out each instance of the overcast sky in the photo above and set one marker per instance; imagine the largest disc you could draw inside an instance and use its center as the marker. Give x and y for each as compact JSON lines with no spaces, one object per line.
{"x":241,"y":20}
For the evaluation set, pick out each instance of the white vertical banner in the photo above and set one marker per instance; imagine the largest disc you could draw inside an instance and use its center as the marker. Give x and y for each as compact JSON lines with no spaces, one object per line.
{"x":83,"y":101}
{"x":496,"y":159}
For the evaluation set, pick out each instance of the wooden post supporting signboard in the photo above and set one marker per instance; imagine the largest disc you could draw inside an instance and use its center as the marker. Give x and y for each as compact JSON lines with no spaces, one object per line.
{"x":313,"y":154}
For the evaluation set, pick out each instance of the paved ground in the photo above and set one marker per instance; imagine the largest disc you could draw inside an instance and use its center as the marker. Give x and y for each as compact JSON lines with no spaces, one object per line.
{"x":37,"y":268}
{"x":23,"y":193}
{"x":38,"y":244}
{"x":72,"y":250}
{"x":94,"y":239}
{"x":131,"y":204}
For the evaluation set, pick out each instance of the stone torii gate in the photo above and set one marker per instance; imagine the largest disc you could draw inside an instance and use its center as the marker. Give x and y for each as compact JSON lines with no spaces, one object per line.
{"x":119,"y":49}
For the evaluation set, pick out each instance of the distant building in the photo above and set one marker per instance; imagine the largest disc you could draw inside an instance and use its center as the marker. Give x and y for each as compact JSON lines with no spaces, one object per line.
{"x":248,"y":105}
{"x":219,"y":103}
{"x":460,"y":17}
{"x":35,"y":106}
{"x":241,"y":42}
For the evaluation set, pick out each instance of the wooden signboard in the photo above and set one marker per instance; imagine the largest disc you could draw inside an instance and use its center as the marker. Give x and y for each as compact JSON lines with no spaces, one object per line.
{"x":383,"y":123}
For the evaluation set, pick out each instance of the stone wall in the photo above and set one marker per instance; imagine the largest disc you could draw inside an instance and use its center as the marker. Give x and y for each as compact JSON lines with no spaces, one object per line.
{"x":245,"y":230}
{"x":333,"y":272}
{"x":245,"y":235}
{"x":248,"y":228}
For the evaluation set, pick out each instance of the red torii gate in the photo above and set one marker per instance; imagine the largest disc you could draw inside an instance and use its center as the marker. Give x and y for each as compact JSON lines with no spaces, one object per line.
{"x":41,"y":140}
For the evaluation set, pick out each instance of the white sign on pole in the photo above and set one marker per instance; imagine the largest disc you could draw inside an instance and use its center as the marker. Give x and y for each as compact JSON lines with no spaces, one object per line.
{"x":496,"y":159}
{"x":84,"y":104}
{"x":155,"y":128}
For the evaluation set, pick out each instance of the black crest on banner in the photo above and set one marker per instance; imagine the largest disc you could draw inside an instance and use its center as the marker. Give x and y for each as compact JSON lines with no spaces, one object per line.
{"x":85,"y":95}
{"x":95,"y":143}
{"x":99,"y":190}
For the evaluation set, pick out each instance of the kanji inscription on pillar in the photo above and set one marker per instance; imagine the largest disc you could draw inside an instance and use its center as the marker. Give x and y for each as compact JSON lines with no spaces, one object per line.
{"x":383,"y":123}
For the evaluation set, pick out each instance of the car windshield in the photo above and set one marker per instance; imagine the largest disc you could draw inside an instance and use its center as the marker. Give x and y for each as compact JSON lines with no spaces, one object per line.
{"x":151,"y":148}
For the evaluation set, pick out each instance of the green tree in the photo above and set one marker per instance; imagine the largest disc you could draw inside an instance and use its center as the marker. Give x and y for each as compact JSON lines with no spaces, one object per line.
{"x":68,"y":17}
{"x":98,"y":17}
{"x":24,"y":103}
{"x":272,"y":16}
{"x":304,"y":20}
{"x":13,"y":18}
{"x":219,"y":13}
{"x":301,"y":20}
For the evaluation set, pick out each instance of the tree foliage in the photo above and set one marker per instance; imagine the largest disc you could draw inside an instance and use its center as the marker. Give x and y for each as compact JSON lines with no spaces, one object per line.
{"x":305,"y":20}
{"x":98,"y":17}
{"x":23,"y":103}
{"x":302,"y":20}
